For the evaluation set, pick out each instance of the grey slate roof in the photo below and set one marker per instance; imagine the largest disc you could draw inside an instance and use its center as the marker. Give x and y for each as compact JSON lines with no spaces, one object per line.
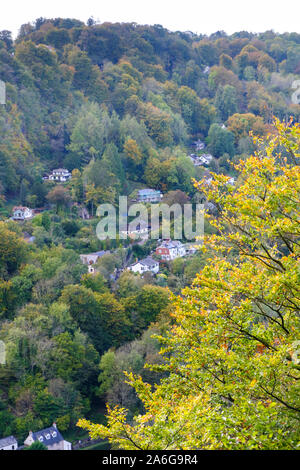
{"x":8,"y":441}
{"x":148,"y":261}
{"x":100,"y":253}
{"x":148,"y":192}
{"x":48,"y":436}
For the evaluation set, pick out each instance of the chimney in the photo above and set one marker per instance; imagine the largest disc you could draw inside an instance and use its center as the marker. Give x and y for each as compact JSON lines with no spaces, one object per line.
{"x":54,"y":425}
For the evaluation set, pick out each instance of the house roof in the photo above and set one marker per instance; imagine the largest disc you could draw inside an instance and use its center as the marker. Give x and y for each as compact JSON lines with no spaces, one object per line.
{"x":139,"y":226}
{"x":48,"y":436}
{"x":171,"y":244}
{"x":8,"y":441}
{"x":99,"y":254}
{"x":21,"y":208}
{"x":148,"y":261}
{"x":148,"y":191}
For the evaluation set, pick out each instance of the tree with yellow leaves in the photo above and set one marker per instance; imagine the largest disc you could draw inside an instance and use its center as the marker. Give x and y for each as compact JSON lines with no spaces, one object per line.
{"x":232,"y":354}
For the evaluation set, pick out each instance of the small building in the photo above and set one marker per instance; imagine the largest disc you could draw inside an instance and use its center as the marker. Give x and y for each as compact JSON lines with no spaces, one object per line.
{"x":204,"y":159}
{"x":22,"y":213}
{"x":50,"y":437}
{"x":91,"y":259}
{"x":60,"y":174}
{"x":145,"y":265}
{"x":149,"y":195}
{"x":140,"y":230}
{"x":8,"y":443}
{"x":199,"y":144}
{"x":195,"y":160}
{"x":170,"y":249}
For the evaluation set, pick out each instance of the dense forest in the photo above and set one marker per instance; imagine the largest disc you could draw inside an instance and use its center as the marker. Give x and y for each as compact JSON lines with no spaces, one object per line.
{"x":120,"y":106}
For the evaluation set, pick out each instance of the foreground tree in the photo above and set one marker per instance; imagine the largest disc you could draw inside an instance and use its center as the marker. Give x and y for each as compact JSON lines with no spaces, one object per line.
{"x":231,"y":356}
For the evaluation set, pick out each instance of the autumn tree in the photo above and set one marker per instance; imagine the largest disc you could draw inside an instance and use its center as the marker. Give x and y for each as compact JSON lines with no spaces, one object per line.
{"x":242,"y":124}
{"x":132,"y":151}
{"x":233,"y":352}
{"x":12,"y":251}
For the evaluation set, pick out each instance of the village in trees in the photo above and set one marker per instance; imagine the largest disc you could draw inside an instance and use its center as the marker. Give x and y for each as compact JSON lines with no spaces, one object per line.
{"x":207,"y":331}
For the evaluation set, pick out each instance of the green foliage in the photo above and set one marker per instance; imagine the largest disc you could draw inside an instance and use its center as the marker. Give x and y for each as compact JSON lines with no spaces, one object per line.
{"x":37,"y":445}
{"x":220,"y":141}
{"x":12,"y":251}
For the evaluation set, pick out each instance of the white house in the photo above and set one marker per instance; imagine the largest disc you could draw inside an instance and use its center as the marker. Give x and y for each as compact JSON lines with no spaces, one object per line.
{"x":60,"y":174}
{"x":195,"y":160}
{"x":204,"y":159}
{"x":144,"y":265}
{"x":8,"y":443}
{"x":199,"y":144}
{"x":50,"y":437}
{"x":139,"y":230}
{"x":22,"y":213}
{"x":170,"y":249}
{"x":149,"y":195}
{"x":91,"y":258}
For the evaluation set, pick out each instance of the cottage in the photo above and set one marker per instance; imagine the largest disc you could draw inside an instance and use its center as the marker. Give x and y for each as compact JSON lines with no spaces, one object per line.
{"x":199,"y":144}
{"x":8,"y":443}
{"x":50,"y":437}
{"x":170,"y":249}
{"x":149,"y":195}
{"x":203,"y":159}
{"x":206,"y":158}
{"x":195,"y":159}
{"x":139,"y":230}
{"x":60,"y":174}
{"x":22,"y":213}
{"x":145,"y":265}
{"x":91,"y":258}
